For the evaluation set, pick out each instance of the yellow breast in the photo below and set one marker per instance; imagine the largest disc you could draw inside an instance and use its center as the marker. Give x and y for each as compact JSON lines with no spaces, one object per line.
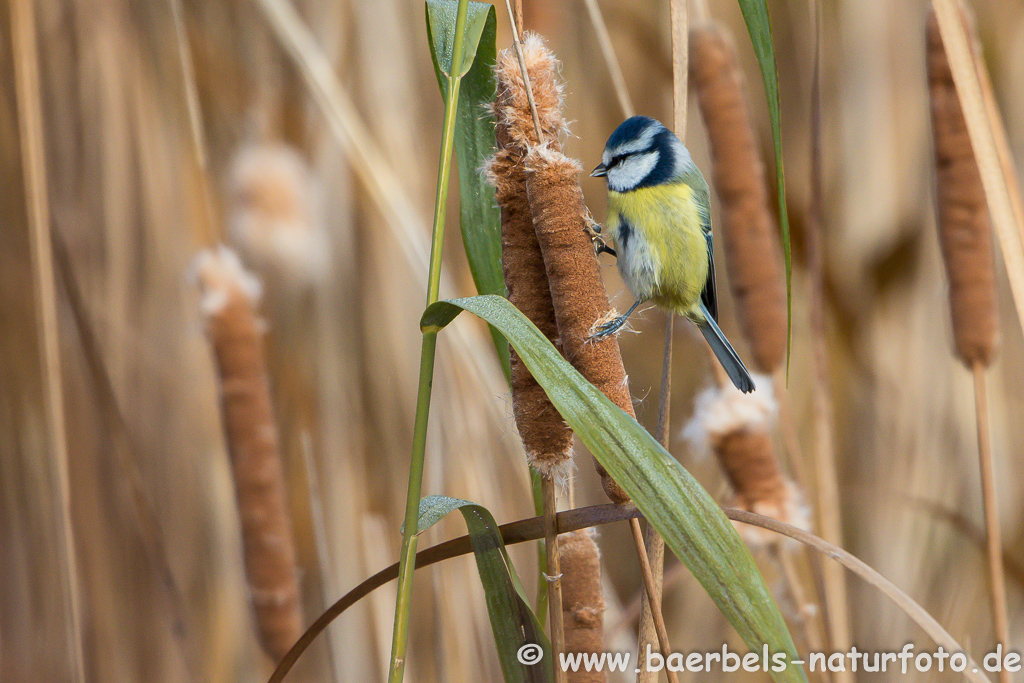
{"x":662,"y":226}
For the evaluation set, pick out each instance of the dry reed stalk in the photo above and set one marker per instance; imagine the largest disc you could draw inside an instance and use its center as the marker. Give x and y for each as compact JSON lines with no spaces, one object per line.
{"x":582,"y":600}
{"x":966,"y":239}
{"x":229,"y":298}
{"x":737,"y":428}
{"x":611,"y":61}
{"x":54,"y":465}
{"x":829,"y":519}
{"x":553,"y":574}
{"x":756,"y":274}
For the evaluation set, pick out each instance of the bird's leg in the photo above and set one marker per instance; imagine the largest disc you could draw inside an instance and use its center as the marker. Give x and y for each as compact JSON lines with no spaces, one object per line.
{"x":615,"y":324}
{"x":593,"y":230}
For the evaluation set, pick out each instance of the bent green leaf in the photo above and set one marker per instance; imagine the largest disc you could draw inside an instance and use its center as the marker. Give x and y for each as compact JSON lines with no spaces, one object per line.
{"x":694,"y":527}
{"x":474,"y":139}
{"x":513,"y":623}
{"x":755,"y":14}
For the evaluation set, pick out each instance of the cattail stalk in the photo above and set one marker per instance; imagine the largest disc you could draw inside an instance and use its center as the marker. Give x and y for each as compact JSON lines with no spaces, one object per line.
{"x":966,"y":238}
{"x":229,"y":298}
{"x":827,"y":481}
{"x":582,"y":601}
{"x":755,"y":270}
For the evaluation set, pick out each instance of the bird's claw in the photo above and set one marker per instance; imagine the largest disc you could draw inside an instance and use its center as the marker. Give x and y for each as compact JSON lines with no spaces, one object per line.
{"x":609,"y":328}
{"x":593,"y":230}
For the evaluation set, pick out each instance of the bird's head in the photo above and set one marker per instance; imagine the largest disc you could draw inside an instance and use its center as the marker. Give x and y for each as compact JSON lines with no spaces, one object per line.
{"x":642,"y":153}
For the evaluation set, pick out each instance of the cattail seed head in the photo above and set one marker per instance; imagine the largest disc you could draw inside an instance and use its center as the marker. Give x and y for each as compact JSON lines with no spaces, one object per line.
{"x":228,"y":306}
{"x":574,"y":279}
{"x":582,"y":600}
{"x":737,"y":428}
{"x":511,"y":106}
{"x":546,"y":437}
{"x":558,"y":215}
{"x":753,"y":256}
{"x":965,"y":232}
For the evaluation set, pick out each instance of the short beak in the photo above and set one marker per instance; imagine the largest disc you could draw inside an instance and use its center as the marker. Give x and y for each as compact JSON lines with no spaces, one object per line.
{"x":599,"y":172}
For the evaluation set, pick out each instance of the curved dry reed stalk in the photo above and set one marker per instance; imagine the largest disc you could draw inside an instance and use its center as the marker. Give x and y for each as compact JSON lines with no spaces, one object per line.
{"x":752,"y":250}
{"x":229,"y":296}
{"x":532,"y":529}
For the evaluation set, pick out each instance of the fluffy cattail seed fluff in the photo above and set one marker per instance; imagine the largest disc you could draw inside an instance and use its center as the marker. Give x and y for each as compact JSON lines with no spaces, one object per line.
{"x":965,"y":232}
{"x":228,"y":305}
{"x":753,"y":255}
{"x":275,"y":216}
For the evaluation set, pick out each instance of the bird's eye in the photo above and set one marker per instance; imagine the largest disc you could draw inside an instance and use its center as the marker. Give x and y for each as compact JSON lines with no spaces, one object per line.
{"x":615,"y":161}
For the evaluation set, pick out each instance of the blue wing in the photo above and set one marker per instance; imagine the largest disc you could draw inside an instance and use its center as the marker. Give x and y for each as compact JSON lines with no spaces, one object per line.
{"x":710,"y":296}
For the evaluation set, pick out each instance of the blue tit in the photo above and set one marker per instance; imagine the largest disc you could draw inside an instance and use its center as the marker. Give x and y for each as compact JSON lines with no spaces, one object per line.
{"x":659,"y":220}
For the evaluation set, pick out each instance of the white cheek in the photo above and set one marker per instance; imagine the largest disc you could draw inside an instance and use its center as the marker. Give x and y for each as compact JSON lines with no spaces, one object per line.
{"x":631,"y":171}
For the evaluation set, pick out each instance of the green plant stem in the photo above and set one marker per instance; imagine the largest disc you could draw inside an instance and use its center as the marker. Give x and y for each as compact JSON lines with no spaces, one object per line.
{"x":407,"y":557}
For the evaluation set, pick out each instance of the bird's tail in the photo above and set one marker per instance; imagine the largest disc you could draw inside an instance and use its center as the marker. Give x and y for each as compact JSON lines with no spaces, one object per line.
{"x":727,"y":355}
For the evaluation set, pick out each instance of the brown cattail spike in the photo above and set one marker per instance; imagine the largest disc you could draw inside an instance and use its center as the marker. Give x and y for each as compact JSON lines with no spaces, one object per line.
{"x":582,"y":600}
{"x":577,"y":292}
{"x":229,"y":296}
{"x":546,"y":437}
{"x":963,"y":219}
{"x":558,"y":215}
{"x":752,"y":251}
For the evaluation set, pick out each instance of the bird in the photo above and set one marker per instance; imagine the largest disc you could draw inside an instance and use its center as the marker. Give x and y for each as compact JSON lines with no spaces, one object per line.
{"x":659,"y":221}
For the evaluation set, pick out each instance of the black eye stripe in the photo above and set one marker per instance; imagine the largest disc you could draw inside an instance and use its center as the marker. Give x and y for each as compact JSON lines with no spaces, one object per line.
{"x":619,"y":158}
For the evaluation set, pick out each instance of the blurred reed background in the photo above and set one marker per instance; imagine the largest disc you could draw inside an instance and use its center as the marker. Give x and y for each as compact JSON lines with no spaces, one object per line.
{"x":161,"y":592}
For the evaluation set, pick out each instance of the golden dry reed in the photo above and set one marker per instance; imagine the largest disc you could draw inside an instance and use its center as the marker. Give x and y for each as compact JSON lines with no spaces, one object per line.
{"x":546,"y":437}
{"x":737,"y":428}
{"x":753,"y":260}
{"x":229,"y":298}
{"x":559,"y":215}
{"x":963,"y":219}
{"x":582,"y":600}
